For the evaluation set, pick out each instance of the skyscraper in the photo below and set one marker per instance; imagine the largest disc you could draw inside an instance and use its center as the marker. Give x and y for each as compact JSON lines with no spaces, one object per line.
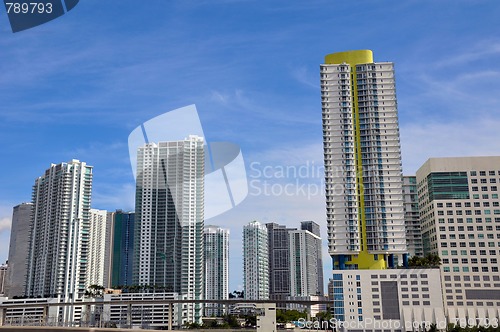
{"x":314,"y":228}
{"x":255,"y":262}
{"x":169,"y":219}
{"x":98,"y":261}
{"x":59,"y":253}
{"x":363,"y":179}
{"x":460,"y":214}
{"x":279,"y":261}
{"x":121,"y":247}
{"x":412,"y":217}
{"x":216,"y":268}
{"x":18,"y":250}
{"x":304,"y":255}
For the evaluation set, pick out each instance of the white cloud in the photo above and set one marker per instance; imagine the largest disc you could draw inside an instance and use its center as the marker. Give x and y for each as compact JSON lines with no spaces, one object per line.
{"x":421,"y":141}
{"x":114,"y":196}
{"x":304,"y":76}
{"x":5,"y":224}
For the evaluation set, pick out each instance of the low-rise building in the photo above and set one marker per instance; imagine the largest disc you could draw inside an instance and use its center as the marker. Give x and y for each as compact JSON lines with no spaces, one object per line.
{"x":154,"y":316}
{"x":392,"y":299}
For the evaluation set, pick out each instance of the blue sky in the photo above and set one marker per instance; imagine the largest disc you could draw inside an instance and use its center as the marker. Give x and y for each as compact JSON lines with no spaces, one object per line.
{"x":77,"y":86}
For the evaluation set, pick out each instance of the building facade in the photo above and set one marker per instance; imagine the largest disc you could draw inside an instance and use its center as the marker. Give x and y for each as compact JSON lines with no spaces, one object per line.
{"x":314,"y":228}
{"x":216,"y":246}
{"x":304,"y":255}
{"x":59,"y":235}
{"x":3,"y":278}
{"x":279,"y":261}
{"x":121,"y":248}
{"x":460,"y":216}
{"x":99,"y":241}
{"x":412,"y":217}
{"x":168,"y":240}
{"x":144,"y":316}
{"x":18,"y":250}
{"x":255,"y":261}
{"x":389,"y":300}
{"x":363,"y":179}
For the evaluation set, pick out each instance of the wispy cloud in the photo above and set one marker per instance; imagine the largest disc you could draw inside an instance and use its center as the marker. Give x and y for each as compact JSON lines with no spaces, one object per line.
{"x":455,"y":138}
{"x":305,"y":76}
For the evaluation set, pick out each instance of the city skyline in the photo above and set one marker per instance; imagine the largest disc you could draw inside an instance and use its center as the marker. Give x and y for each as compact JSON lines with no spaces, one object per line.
{"x":125,"y":64}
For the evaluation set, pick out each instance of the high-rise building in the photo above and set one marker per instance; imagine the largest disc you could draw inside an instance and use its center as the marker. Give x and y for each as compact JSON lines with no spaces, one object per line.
{"x":314,"y":228}
{"x":168,"y":249}
{"x":121,"y":248}
{"x":304,"y":255}
{"x":279,"y":261}
{"x":216,"y":268}
{"x":59,"y":252}
{"x":460,"y":217}
{"x":98,"y":259}
{"x":255,"y":261}
{"x":412,"y":217}
{"x":364,"y":197}
{"x":18,"y":250}
{"x":3,"y":278}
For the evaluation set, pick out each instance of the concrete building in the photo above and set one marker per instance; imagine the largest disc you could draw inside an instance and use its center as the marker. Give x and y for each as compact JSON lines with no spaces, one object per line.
{"x":460,"y":216}
{"x":255,"y":262}
{"x":266,"y":317}
{"x":216,"y":268}
{"x":145,"y":316}
{"x":98,"y":262}
{"x":58,"y":246}
{"x":314,"y":228}
{"x":363,"y":179}
{"x":389,"y":300}
{"x":304,"y":254}
{"x":18,"y":250}
{"x":168,"y":249}
{"x":279,"y":261}
{"x":32,"y":315}
{"x":121,"y":248}
{"x":3,"y":278}
{"x":412,"y":217}
{"x":311,"y":310}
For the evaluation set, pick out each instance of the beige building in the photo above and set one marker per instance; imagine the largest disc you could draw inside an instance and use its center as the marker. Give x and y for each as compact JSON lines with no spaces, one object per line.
{"x":460,"y":215}
{"x":389,"y":300}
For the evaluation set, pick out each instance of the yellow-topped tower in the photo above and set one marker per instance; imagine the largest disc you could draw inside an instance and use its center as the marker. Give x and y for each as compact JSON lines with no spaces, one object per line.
{"x":364,"y":196}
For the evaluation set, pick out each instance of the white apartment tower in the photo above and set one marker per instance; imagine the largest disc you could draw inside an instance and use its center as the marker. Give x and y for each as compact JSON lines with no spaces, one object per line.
{"x":255,"y":261}
{"x":304,"y":256}
{"x":59,"y":252}
{"x":460,"y":214}
{"x":169,"y":219}
{"x":364,"y":197}
{"x":216,"y":268}
{"x":99,"y":241}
